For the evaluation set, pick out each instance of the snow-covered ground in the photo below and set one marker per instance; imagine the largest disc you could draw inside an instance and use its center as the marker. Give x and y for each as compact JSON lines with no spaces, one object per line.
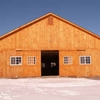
{"x":50,"y":89}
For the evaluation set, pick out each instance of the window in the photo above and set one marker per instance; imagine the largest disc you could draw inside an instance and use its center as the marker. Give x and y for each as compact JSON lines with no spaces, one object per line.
{"x":15,"y":60}
{"x":68,"y":60}
{"x":31,"y":60}
{"x":85,"y":59}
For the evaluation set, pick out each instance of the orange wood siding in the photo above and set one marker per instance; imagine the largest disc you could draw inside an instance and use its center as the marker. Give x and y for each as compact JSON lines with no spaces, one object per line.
{"x":75,"y":69}
{"x":41,"y":36}
{"x":24,"y":70}
{"x":57,"y":35}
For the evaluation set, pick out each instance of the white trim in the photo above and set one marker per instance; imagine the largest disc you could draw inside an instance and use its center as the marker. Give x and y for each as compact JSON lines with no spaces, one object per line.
{"x":68,"y":63}
{"x":33,"y":60}
{"x":15,"y":61}
{"x":85,"y":60}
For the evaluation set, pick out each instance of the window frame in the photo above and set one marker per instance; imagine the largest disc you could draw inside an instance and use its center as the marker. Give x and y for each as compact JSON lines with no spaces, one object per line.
{"x":85,"y":60}
{"x":68,"y":62}
{"x":33,"y":60}
{"x":15,"y":61}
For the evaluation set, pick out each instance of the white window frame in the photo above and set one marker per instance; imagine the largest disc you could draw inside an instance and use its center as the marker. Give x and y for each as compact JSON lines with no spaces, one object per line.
{"x":32,"y":61}
{"x":15,"y":61}
{"x":85,"y":60}
{"x":69,"y":63}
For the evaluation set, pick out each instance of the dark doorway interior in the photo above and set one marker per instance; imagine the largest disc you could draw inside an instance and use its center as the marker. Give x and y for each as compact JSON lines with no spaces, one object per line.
{"x":49,"y":63}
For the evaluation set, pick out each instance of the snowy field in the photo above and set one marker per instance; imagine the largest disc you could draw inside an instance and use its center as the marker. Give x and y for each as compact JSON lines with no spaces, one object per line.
{"x":50,"y":89}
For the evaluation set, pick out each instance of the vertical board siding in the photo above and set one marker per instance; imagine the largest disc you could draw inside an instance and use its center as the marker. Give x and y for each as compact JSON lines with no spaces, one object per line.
{"x":69,"y":40}
{"x":24,"y":70}
{"x":75,"y":69}
{"x":58,"y":36}
{"x":1,"y":66}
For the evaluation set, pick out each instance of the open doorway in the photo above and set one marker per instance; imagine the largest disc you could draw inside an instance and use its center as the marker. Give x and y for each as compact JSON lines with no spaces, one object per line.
{"x":49,"y":63}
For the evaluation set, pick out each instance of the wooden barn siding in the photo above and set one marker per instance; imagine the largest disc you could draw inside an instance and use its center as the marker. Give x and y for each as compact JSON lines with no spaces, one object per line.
{"x":75,"y":69}
{"x":24,"y":70}
{"x":1,"y":66}
{"x":41,"y":36}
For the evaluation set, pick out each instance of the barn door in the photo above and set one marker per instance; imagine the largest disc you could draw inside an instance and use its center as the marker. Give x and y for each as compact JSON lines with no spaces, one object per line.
{"x":49,"y":63}
{"x":32,"y":63}
{"x":14,"y":64}
{"x":67,"y":63}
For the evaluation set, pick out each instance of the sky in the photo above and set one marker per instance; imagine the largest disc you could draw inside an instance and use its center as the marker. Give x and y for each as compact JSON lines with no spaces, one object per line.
{"x":14,"y":13}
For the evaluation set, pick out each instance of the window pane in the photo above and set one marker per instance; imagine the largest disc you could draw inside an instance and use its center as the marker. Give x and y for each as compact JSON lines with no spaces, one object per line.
{"x":65,"y":60}
{"x":31,"y":60}
{"x":82,"y":60}
{"x":12,"y":60}
{"x":87,"y":60}
{"x":68,"y":60}
{"x":16,"y":60}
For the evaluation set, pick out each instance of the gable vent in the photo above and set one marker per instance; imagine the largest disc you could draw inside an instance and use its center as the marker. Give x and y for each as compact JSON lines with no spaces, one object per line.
{"x":50,"y":20}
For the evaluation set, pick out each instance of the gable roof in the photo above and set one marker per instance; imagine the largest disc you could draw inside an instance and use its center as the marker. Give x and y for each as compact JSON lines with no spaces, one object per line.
{"x":40,"y":18}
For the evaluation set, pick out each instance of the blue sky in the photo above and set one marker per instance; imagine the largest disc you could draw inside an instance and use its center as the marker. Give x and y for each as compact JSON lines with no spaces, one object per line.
{"x":14,"y":13}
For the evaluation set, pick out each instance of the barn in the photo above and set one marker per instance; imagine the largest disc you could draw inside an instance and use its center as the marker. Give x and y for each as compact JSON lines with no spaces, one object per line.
{"x":49,"y":46}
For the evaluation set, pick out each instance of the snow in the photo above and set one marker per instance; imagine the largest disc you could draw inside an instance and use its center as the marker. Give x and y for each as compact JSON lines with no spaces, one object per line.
{"x":56,"y":88}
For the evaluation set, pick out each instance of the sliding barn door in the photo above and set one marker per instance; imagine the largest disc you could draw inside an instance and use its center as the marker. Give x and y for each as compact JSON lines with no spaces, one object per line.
{"x":32,"y":63}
